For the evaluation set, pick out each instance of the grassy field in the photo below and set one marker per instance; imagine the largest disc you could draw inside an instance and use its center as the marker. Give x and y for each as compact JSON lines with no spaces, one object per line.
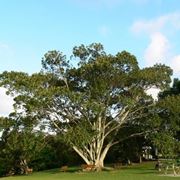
{"x":136,"y":172}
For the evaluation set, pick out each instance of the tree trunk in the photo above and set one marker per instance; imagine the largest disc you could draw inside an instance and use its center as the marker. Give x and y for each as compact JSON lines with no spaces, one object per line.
{"x":99,"y":165}
{"x":140,"y":159}
{"x":78,"y":151}
{"x":24,"y":166}
{"x":100,"y":162}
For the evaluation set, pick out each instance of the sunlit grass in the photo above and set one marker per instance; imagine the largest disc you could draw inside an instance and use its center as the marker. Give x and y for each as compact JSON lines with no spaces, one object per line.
{"x":144,"y":171}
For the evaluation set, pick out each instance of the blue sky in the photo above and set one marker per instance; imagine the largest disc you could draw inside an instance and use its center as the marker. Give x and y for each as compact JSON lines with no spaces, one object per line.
{"x":149,"y":29}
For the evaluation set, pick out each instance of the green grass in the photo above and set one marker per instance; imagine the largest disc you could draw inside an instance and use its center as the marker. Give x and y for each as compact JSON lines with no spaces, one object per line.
{"x":144,"y":171}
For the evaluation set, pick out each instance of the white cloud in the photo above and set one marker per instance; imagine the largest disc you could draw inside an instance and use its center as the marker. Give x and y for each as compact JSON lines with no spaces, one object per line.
{"x":6,"y":103}
{"x":175,"y":64}
{"x":158,"y":31}
{"x":157,"y":24}
{"x":153,"y":92}
{"x":157,"y":50}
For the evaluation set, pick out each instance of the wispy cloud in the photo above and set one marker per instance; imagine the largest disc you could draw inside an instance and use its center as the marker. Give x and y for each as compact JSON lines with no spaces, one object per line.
{"x":104,"y":30}
{"x":3,"y":46}
{"x":108,"y":3}
{"x":7,"y":54}
{"x":97,"y":3}
{"x":157,"y":24}
{"x":6,"y":103}
{"x":5,"y":49}
{"x":140,"y":2}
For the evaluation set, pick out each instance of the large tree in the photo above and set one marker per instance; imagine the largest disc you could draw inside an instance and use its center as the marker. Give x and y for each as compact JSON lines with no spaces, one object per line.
{"x":91,"y":102}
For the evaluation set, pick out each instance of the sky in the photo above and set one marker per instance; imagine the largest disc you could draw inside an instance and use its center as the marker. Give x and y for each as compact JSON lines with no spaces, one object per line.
{"x":149,"y":29}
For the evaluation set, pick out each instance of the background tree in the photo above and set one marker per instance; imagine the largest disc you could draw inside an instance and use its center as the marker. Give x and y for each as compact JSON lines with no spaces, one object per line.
{"x":167,"y":140}
{"x":20,"y":144}
{"x":127,"y":151}
{"x":91,"y":103}
{"x":174,"y":90}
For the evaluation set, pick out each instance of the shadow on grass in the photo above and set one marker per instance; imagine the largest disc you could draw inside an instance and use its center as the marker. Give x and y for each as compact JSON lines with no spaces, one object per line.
{"x":144,"y":168}
{"x":58,"y":170}
{"x":147,"y":172}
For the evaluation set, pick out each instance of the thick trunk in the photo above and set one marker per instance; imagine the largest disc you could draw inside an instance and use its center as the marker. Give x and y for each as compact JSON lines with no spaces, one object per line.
{"x":100,"y":162}
{"x":95,"y":152}
{"x":99,"y":165}
{"x":24,"y":166}
{"x":97,"y":161}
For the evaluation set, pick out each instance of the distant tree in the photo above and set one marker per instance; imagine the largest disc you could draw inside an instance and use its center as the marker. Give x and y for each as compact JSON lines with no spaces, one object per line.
{"x":19,"y":145}
{"x":174,"y":90}
{"x":91,"y":103}
{"x":129,"y":150}
{"x":167,"y":140}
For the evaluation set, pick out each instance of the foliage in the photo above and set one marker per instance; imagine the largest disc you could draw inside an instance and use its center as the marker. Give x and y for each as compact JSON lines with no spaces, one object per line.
{"x":19,"y":145}
{"x":174,"y":90}
{"x":89,"y":104}
{"x":54,"y":155}
{"x":167,"y":139}
{"x":130,"y":150}
{"x":167,"y":146}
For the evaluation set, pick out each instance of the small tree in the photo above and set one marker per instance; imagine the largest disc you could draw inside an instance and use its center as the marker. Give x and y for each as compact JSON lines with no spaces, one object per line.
{"x":168,"y":110}
{"x":19,"y":145}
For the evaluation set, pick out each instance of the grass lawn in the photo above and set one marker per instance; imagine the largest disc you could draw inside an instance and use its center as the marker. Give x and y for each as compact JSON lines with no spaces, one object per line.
{"x":144,"y":171}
